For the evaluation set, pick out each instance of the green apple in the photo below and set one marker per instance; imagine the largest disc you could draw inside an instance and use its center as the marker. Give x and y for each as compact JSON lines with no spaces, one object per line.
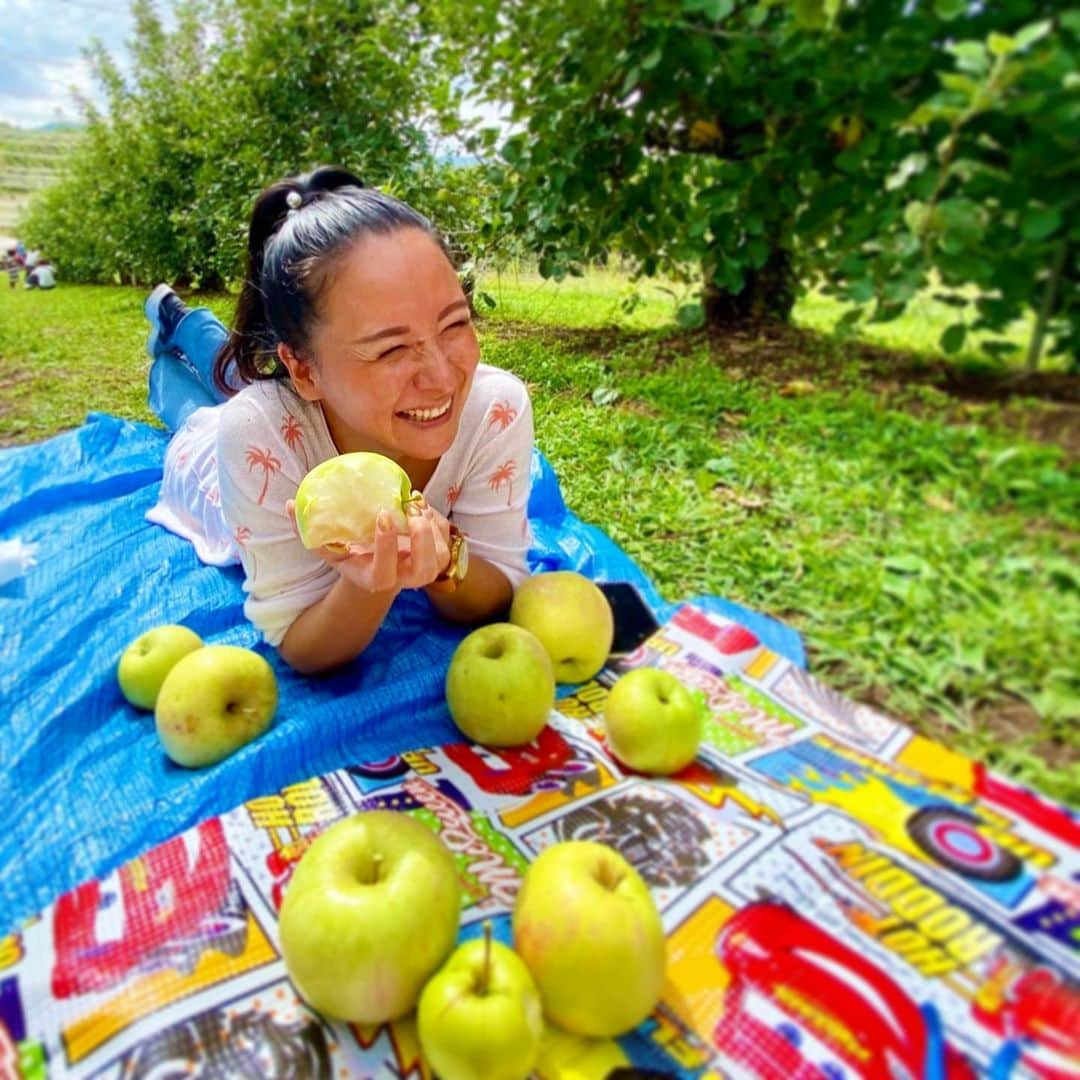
{"x":214,"y":700}
{"x":479,"y":1017}
{"x":149,"y":658}
{"x":572,"y":619}
{"x":338,"y":501}
{"x":500,"y":687}
{"x":589,"y":931}
{"x":574,"y":1057}
{"x":369,"y":915}
{"x":653,"y":722}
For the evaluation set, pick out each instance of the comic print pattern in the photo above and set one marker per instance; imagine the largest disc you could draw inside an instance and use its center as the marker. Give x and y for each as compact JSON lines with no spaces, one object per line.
{"x":842,"y":899}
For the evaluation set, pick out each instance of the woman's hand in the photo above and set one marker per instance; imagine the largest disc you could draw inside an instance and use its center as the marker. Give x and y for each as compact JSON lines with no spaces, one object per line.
{"x":394,"y":561}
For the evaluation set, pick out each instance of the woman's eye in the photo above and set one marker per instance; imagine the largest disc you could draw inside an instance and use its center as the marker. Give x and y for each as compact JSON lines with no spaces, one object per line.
{"x":396,"y":350}
{"x":456,"y":326}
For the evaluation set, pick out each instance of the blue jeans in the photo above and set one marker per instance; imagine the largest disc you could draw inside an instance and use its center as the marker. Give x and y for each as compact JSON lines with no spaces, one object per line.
{"x":181,"y":372}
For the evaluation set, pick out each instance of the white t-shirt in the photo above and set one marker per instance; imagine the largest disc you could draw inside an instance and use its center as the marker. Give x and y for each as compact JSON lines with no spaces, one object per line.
{"x":44,"y":276}
{"x":230,"y":469}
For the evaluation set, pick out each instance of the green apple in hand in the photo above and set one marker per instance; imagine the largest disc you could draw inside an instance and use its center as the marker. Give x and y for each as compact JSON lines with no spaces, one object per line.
{"x":571,"y":617}
{"x":479,"y":1016}
{"x":370,"y":913}
{"x":587,"y":928}
{"x":652,"y":721}
{"x":149,"y":658}
{"x":500,"y":687}
{"x":212,"y":702}
{"x":339,"y":500}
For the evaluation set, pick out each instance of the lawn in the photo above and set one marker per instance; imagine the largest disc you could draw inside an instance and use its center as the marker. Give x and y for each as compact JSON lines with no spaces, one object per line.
{"x":920,"y":532}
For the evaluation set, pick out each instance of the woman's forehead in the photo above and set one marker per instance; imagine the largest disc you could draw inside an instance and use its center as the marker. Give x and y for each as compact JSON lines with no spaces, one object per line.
{"x":406,"y":265}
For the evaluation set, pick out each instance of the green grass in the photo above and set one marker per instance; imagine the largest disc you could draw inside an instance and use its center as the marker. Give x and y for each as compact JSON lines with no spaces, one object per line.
{"x":926,"y":551}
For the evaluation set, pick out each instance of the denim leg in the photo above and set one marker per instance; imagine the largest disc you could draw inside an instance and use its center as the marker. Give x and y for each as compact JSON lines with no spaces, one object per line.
{"x":176,"y":389}
{"x":199,"y":335}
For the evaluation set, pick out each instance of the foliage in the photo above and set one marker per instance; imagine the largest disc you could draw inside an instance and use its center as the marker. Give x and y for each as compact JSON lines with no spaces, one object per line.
{"x":871,"y":143}
{"x":239,"y":93}
{"x":927,"y":553}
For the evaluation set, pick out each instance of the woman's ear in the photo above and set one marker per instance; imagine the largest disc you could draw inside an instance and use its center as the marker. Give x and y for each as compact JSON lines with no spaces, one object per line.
{"x":301,"y":372}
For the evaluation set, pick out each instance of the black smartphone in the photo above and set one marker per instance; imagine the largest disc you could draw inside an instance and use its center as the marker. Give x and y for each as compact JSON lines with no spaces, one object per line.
{"x":634,"y":620}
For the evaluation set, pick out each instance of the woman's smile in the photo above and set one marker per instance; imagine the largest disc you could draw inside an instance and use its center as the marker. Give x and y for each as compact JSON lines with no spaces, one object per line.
{"x":429,"y":417}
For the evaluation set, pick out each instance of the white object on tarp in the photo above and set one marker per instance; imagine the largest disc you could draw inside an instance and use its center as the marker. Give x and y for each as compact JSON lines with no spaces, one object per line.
{"x":15,"y":559}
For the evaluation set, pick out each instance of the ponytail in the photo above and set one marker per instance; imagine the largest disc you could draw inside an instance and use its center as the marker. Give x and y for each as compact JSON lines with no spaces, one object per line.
{"x":298,"y":227}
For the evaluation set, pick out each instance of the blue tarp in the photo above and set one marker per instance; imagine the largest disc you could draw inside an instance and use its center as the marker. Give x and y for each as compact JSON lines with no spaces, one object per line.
{"x":83,"y":781}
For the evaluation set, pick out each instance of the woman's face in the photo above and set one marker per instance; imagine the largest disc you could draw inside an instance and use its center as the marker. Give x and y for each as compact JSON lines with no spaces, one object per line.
{"x":393,"y":351}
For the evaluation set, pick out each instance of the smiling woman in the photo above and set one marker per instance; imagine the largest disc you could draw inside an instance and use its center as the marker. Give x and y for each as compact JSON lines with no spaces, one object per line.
{"x":352,"y":334}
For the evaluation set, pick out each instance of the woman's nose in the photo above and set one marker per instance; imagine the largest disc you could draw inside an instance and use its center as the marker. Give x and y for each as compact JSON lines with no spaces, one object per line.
{"x":435,"y":367}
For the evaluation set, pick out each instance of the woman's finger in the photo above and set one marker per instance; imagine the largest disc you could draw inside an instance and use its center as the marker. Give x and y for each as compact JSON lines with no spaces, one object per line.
{"x":384,"y":565}
{"x":422,"y":557}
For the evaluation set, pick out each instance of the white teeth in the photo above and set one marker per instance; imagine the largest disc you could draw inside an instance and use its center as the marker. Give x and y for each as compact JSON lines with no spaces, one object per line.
{"x":427,"y":414}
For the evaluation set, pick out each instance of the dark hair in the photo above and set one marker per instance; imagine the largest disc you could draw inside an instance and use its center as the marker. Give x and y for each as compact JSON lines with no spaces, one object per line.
{"x":291,"y":249}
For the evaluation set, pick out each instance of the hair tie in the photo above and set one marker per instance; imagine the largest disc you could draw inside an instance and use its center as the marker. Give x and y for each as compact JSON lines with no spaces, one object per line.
{"x":294,"y":200}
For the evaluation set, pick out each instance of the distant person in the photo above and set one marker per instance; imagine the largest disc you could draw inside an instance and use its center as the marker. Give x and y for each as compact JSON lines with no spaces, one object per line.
{"x":41,"y":276}
{"x":12,"y":265}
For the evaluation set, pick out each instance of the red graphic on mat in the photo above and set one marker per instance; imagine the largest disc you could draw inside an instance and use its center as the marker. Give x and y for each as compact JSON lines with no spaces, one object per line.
{"x":728,"y":639}
{"x":511,"y":771}
{"x":163,"y":897}
{"x":1052,"y":819}
{"x":850,"y":1005}
{"x":1039,"y":1009}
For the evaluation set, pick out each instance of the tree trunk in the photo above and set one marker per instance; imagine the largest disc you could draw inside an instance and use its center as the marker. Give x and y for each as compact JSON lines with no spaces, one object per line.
{"x":768,"y":295}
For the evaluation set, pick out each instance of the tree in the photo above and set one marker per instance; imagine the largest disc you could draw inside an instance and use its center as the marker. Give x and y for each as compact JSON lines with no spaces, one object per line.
{"x":762,"y":145}
{"x":238,"y":93}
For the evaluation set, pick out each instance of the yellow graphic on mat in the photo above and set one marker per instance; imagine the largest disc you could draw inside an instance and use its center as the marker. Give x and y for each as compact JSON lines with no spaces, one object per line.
{"x":147,"y":994}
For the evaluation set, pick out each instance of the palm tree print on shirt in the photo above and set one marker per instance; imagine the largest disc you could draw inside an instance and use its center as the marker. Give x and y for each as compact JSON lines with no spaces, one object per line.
{"x":266,"y":461}
{"x":452,"y":495}
{"x":293,"y":435}
{"x":503,"y":414}
{"x":504,"y":475}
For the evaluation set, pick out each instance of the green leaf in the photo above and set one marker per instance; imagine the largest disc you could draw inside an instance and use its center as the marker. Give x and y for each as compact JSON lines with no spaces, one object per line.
{"x":952,"y":340}
{"x":605,"y":395}
{"x":690,"y":316}
{"x":653,"y":58}
{"x":908,"y":565}
{"x":810,"y":14}
{"x":917,"y":217}
{"x":971,"y":56}
{"x":1040,"y":222}
{"x":1034,"y":32}
{"x":959,"y":83}
{"x":961,"y":218}
{"x":949,"y":9}
{"x":861,"y":291}
{"x":711,"y":9}
{"x":1001,"y":44}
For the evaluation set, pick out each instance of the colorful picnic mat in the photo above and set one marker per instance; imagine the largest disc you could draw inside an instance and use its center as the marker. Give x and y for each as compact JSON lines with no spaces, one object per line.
{"x":842,"y":898}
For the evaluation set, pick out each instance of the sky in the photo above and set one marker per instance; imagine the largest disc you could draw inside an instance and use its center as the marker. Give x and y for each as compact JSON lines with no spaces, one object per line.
{"x":41,"y":44}
{"x":40,"y":55}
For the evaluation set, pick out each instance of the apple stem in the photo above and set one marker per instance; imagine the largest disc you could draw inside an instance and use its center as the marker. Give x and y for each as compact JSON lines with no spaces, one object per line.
{"x":376,"y":860}
{"x":485,"y":975}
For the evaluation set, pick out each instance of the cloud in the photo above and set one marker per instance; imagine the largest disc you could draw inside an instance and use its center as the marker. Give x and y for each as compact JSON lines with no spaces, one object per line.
{"x":41,"y":60}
